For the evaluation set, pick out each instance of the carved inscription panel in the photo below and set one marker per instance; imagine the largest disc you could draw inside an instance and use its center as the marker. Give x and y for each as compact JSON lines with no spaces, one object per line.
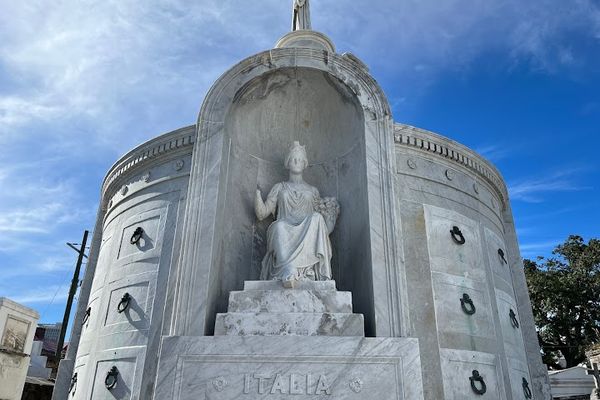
{"x":223,"y":368}
{"x":15,"y":334}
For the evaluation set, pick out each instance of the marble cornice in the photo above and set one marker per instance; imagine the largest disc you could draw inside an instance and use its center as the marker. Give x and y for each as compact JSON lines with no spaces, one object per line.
{"x":437,"y":145}
{"x":146,"y":154}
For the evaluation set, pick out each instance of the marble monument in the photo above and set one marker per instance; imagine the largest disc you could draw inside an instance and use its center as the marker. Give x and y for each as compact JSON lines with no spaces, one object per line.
{"x":382,"y":263}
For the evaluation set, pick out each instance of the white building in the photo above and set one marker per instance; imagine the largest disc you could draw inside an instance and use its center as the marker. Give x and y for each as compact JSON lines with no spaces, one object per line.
{"x":571,"y":383}
{"x":17,"y":327}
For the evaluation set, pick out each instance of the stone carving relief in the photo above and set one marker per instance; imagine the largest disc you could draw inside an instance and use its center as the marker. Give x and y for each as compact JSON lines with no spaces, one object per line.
{"x":15,"y":334}
{"x":179,"y":165}
{"x":298,"y":245}
{"x":356,"y":385}
{"x":220,"y":384}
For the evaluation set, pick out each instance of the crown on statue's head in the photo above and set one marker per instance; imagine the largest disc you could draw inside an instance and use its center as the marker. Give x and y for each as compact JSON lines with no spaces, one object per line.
{"x":296,"y":148}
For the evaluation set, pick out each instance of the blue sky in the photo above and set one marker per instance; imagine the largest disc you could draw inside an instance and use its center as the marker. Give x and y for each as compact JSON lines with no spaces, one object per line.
{"x":82,"y":82}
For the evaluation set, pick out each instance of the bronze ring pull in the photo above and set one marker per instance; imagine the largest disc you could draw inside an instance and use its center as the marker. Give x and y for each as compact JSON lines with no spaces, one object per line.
{"x":86,"y":316}
{"x":112,"y":377}
{"x":526,"y":389}
{"x":478,"y":378}
{"x":501,"y":254}
{"x":73,"y":385}
{"x":466,"y":300}
{"x":124,"y":303}
{"x":513,"y":318}
{"x":457,"y":235}
{"x":137,"y":235}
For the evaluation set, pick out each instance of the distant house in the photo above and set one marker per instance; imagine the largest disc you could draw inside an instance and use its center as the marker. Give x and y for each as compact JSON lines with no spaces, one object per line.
{"x":571,"y":384}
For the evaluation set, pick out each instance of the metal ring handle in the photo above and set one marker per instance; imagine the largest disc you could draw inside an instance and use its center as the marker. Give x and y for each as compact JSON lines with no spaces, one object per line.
{"x":112,"y":377}
{"x":137,"y":235}
{"x":124,"y":303}
{"x":476,"y":378}
{"x":466,"y":300}
{"x":526,"y":389}
{"x":513,"y":318}
{"x":501,"y":254}
{"x":86,"y":316}
{"x":457,"y":235}
{"x":73,"y":385}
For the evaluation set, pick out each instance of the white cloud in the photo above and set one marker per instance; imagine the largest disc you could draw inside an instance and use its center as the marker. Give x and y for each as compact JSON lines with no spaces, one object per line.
{"x":97,"y":60}
{"x":533,"y":190}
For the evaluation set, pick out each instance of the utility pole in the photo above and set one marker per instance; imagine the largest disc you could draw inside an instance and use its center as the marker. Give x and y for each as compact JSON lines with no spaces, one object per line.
{"x":72,"y":291}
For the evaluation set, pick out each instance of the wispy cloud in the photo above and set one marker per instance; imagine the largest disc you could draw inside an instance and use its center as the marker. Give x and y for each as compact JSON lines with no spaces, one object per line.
{"x":43,"y":294}
{"x":539,"y":248}
{"x":533,"y":190}
{"x":495,"y":152}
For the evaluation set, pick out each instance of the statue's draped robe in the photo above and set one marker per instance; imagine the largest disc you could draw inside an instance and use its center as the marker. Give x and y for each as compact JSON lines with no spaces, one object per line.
{"x":298,"y":243}
{"x":301,"y":17}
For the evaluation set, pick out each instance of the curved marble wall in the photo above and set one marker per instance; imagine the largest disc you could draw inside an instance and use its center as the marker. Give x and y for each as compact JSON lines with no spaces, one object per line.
{"x":461,"y":266}
{"x":143,"y":201}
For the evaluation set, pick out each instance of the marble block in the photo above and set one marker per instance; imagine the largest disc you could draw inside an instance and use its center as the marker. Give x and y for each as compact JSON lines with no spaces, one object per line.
{"x":297,"y":324}
{"x":294,"y":301}
{"x":299,"y":368}
{"x":302,"y":285}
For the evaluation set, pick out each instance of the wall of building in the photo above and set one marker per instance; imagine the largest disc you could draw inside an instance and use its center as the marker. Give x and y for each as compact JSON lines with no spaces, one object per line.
{"x":17,"y":327}
{"x":463,"y":300}
{"x":176,"y":233}
{"x":123,"y":319}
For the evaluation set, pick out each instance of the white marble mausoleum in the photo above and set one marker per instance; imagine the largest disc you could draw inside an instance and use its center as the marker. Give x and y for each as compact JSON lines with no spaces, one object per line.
{"x":400,"y":278}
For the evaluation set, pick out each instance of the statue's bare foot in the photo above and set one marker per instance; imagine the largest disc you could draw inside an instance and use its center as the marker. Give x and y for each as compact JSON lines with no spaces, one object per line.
{"x":289,"y":282}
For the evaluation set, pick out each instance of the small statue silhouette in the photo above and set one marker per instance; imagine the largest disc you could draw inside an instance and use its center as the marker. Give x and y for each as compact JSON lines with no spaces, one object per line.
{"x":301,"y":17}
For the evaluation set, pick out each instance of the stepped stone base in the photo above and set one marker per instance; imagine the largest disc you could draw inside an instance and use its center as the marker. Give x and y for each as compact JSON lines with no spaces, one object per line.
{"x":267,"y":308}
{"x":275,"y":368}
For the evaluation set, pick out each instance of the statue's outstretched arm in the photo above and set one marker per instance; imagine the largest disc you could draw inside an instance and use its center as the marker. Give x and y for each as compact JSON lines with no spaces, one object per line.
{"x":264,"y":209}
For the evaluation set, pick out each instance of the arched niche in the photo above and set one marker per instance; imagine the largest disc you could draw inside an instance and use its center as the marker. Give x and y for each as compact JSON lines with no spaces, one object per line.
{"x":246,"y":123}
{"x":266,"y":116}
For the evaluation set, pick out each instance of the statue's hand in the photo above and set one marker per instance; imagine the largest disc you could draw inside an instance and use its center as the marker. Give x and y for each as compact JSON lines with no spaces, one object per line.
{"x":259,"y":206}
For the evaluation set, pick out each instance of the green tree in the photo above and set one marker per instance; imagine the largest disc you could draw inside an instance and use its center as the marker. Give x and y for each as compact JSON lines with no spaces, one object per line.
{"x":565,"y":295}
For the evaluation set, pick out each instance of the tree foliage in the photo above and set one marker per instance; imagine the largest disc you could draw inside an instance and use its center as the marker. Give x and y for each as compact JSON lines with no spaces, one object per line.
{"x":565,"y":295}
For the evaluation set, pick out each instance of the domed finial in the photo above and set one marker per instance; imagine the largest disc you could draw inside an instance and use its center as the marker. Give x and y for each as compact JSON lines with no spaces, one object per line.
{"x":301,"y":15}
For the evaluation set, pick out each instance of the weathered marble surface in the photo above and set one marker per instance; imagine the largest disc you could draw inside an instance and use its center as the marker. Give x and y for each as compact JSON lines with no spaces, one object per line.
{"x":220,"y":368}
{"x":290,"y":301}
{"x":309,"y":297}
{"x":301,"y":324}
{"x":275,"y":285}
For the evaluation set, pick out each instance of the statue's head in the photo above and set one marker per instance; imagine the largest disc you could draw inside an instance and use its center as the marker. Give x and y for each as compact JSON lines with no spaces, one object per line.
{"x":296,"y":160}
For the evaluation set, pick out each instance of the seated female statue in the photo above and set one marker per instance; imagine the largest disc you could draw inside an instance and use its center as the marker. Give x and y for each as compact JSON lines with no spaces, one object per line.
{"x":298,"y":246}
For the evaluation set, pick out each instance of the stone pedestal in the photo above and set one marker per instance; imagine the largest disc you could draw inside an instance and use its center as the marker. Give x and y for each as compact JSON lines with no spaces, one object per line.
{"x":275,"y":342}
{"x":266,"y":308}
{"x":279,"y":367}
